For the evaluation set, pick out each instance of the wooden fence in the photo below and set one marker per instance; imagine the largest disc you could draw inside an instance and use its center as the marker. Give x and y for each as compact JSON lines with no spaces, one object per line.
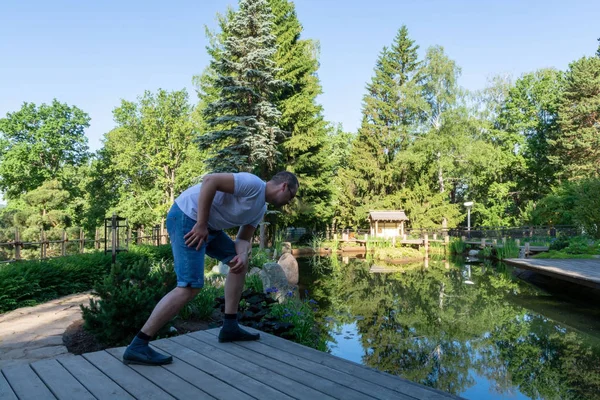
{"x":78,"y":243}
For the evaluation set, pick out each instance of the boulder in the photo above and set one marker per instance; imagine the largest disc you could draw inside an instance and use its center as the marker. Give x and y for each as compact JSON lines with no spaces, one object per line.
{"x":221,"y":268}
{"x":274,"y":280}
{"x":286,"y":247}
{"x":289,"y":264}
{"x":473,"y":253}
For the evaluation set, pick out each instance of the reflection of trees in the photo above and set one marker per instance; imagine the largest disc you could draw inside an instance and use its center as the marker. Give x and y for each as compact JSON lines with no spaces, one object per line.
{"x":427,"y":325}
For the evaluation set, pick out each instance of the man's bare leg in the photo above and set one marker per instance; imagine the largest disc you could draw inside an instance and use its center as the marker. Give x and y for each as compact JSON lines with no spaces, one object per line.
{"x":168,"y":307}
{"x":138,"y":352}
{"x":231,"y":331}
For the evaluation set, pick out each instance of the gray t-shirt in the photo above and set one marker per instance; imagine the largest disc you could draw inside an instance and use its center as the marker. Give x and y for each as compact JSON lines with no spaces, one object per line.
{"x":246,"y":206}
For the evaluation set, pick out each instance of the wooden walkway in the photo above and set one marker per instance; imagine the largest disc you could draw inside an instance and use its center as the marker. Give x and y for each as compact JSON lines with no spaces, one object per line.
{"x":203,"y":368}
{"x":583,"y":272}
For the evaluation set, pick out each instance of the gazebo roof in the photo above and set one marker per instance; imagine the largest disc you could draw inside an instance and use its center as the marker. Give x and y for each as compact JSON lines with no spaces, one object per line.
{"x":395,"y":215}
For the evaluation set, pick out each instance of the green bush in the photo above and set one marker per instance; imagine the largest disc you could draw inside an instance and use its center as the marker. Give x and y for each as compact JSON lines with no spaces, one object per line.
{"x":457,"y":246}
{"x":127,"y":297}
{"x":203,"y":304}
{"x":27,"y":283}
{"x":254,"y":283}
{"x":301,"y":314}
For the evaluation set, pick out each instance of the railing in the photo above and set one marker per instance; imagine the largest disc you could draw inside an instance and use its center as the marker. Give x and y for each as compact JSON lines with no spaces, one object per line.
{"x":66,"y":244}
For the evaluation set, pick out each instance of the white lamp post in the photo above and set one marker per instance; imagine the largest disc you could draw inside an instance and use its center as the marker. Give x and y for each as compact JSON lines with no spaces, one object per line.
{"x":469,"y":204}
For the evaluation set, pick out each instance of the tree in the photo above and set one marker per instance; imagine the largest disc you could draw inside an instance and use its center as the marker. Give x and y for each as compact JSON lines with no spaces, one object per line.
{"x":303,"y":150}
{"x":244,"y":119}
{"x":36,"y":143}
{"x":389,"y":111}
{"x":531,"y":112}
{"x":147,"y":150}
{"x":577,"y":150}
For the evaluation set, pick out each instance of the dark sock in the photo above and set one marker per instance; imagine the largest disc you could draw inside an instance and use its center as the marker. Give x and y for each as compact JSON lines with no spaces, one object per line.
{"x":143,"y":336}
{"x":140,"y":340}
{"x":230,"y":322}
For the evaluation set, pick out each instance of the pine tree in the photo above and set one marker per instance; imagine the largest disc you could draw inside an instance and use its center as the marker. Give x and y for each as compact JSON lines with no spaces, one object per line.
{"x":389,"y":113}
{"x":303,"y":151}
{"x":577,"y":149}
{"x":245,"y":119}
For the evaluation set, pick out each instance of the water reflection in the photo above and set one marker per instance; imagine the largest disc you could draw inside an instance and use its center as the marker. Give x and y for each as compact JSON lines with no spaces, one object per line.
{"x":469,"y":329}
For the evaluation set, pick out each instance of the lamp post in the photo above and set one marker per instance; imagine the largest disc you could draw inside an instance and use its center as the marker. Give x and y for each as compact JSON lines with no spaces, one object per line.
{"x":469,"y":204}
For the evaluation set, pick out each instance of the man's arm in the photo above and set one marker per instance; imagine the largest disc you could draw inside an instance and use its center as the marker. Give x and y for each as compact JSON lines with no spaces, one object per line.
{"x":243,"y":247}
{"x":210,"y":185}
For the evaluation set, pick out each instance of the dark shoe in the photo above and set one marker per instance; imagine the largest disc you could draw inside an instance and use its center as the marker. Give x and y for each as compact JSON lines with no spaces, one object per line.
{"x":238,"y":335}
{"x":145,"y":355}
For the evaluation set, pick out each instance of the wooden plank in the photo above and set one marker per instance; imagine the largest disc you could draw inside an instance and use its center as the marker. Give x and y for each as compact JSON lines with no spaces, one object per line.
{"x":266,"y":376}
{"x":583,"y":272}
{"x":232,"y":381}
{"x":25,"y":383}
{"x":95,"y":381}
{"x":6,"y":392}
{"x":164,"y":378}
{"x":396,"y":383}
{"x":309,"y":379}
{"x":205,"y":382}
{"x":135,"y":384}
{"x":60,"y":381}
{"x":367,"y":388}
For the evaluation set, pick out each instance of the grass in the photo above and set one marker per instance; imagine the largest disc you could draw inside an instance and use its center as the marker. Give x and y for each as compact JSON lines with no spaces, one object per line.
{"x":508,"y":250}
{"x":559,"y":255}
{"x":457,"y":246}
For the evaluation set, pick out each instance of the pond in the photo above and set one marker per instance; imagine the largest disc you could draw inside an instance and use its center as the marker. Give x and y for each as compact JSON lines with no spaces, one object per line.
{"x":471,"y":329}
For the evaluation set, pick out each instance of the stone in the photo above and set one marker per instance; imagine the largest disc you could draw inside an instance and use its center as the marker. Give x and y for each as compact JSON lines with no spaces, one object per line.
{"x":286,"y":247}
{"x":473,"y":252}
{"x":254,"y":271}
{"x":273,"y":276}
{"x":289,"y":264}
{"x":221,"y":268}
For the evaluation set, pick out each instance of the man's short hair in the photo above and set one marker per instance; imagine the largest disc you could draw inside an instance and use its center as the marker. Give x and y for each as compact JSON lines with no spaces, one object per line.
{"x":286,"y":177}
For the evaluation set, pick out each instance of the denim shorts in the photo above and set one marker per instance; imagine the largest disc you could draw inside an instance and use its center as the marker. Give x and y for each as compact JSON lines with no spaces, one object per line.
{"x":189,"y":262}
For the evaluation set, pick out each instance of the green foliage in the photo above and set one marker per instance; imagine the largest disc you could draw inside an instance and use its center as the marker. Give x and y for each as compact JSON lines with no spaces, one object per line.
{"x":486,"y":252}
{"x":27,"y":283}
{"x":244,"y":120}
{"x":457,"y":246}
{"x":36,"y":143}
{"x":254,"y":283}
{"x":147,"y":153}
{"x":577,"y":150}
{"x":203,"y":305}
{"x":300,"y":313}
{"x":258,"y":258}
{"x":127,"y":297}
{"x":508,"y":250}
{"x":559,"y":255}
{"x":397,"y":253}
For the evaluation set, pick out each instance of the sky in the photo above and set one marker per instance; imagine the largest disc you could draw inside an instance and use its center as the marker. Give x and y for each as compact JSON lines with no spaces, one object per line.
{"x":92,"y":54}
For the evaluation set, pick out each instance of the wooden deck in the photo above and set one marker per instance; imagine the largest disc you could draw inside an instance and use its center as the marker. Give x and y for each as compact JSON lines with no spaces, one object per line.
{"x":583,"y":272}
{"x":203,"y":368}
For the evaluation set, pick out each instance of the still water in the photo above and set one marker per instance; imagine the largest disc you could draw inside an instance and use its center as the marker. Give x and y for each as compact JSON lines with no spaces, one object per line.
{"x":471,"y":329}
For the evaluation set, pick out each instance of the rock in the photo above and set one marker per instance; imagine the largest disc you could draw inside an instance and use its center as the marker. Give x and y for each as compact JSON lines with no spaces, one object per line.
{"x":290,"y":266}
{"x":221,"y":268}
{"x":273,"y":277}
{"x":286,"y":248}
{"x":254,"y":271}
{"x":473,"y":252}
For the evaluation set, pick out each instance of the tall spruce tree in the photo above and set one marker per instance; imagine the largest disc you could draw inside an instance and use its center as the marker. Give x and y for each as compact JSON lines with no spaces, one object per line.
{"x":389,"y":112}
{"x":303,"y":151}
{"x":577,"y":149}
{"x":244,"y":119}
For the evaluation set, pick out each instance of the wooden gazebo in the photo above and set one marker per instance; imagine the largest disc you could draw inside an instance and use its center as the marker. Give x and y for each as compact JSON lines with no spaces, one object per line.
{"x":387,"y":223}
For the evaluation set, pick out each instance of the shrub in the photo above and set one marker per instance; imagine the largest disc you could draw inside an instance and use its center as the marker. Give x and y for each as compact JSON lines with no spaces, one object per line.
{"x":203,"y":304}
{"x":254,"y":283}
{"x":127,"y":297}
{"x":27,"y":283}
{"x":301,"y":314}
{"x":457,"y":246}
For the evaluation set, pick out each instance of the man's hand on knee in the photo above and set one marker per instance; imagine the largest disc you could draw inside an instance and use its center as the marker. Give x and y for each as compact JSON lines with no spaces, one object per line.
{"x":239,"y":264}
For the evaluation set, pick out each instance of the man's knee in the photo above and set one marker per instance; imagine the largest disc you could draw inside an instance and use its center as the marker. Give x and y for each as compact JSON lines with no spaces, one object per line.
{"x":188,"y":292}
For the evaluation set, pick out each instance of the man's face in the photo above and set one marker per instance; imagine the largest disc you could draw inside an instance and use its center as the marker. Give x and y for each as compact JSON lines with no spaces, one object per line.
{"x":285,"y":195}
